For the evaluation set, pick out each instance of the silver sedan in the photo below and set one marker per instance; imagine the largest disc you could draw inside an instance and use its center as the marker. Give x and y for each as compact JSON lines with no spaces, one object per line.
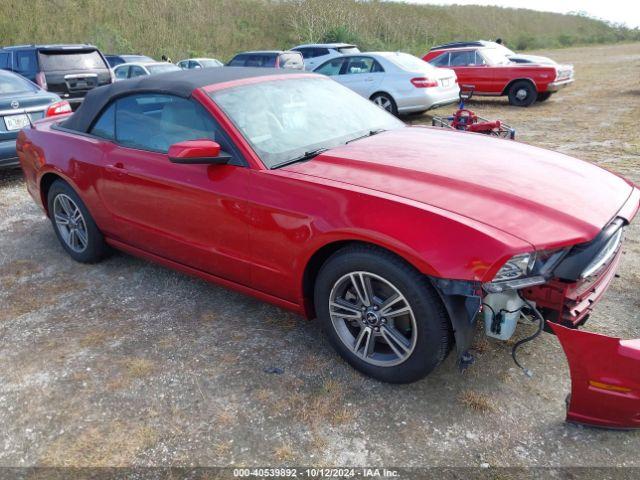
{"x":398,"y":82}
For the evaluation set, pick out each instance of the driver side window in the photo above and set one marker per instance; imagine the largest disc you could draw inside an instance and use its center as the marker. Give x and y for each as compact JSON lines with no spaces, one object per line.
{"x":155,"y":122}
{"x":462,"y":59}
{"x":332,"y":67}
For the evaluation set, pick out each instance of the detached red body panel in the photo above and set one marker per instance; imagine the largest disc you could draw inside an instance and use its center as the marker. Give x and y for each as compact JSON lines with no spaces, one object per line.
{"x":605,"y":378}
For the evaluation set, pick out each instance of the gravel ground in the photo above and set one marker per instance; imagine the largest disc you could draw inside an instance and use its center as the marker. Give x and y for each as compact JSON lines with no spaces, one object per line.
{"x":127,"y":363}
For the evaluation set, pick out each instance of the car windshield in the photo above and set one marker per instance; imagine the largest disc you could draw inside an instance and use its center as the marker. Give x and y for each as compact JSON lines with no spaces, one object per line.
{"x":10,"y":84}
{"x":507,"y":51}
{"x":348,"y":50}
{"x":284,"y":120}
{"x":155,"y":69}
{"x":494,"y":56}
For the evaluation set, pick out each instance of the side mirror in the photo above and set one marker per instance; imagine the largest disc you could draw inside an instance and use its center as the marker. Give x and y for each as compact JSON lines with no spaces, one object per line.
{"x":198,"y":152}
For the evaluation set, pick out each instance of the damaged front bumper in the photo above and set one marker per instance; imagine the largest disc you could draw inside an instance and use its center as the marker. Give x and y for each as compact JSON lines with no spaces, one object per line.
{"x":605,"y":378}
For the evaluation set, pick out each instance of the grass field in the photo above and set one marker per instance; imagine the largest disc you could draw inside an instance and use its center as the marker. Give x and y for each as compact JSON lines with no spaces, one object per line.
{"x":125,"y":363}
{"x":221,"y":28}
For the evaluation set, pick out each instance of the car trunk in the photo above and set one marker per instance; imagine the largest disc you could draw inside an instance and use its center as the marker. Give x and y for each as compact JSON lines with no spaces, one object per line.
{"x":71,"y":73}
{"x":31,"y":106}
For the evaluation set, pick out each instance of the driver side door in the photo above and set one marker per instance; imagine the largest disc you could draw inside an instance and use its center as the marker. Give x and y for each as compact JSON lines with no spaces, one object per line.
{"x":472,"y":70}
{"x":363,"y":75}
{"x":190,"y":214}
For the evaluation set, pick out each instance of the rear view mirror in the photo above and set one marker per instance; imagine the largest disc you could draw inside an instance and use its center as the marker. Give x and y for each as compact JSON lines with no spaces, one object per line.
{"x":198,"y":152}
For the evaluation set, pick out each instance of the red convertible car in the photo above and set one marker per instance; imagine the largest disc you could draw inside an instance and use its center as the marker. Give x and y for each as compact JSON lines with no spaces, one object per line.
{"x":489,"y":71}
{"x":294,"y":189}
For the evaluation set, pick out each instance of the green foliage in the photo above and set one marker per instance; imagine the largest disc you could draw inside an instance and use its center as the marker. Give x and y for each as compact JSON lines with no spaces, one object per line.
{"x":220,"y":28}
{"x":566,"y":40}
{"x":340,"y":34}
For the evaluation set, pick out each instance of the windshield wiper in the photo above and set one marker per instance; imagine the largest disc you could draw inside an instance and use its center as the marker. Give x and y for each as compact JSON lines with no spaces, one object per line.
{"x":305,"y":156}
{"x":370,"y":134}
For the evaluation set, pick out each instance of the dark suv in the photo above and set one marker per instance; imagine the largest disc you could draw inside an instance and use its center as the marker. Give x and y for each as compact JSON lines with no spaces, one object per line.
{"x":67,"y":70}
{"x":268,"y":59}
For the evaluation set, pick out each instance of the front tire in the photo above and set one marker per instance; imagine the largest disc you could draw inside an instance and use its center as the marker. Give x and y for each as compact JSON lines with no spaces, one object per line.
{"x":522,"y":93}
{"x":381,"y":314}
{"x":74,"y":226}
{"x":386,"y":102}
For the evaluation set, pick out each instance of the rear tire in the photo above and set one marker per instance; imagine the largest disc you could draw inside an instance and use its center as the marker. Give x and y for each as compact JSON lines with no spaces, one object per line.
{"x":386,"y":102}
{"x":544,"y":96}
{"x":402,"y":334}
{"x":73,"y":224}
{"x":522,"y":93}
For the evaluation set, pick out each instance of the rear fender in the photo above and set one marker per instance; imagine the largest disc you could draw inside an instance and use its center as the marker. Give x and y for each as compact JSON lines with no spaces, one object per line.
{"x":605,"y":378}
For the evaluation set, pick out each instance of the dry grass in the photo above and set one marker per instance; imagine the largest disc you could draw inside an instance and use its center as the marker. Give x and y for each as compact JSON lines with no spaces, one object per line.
{"x":324,"y":406}
{"x":222,"y":449}
{"x":95,"y":339}
{"x":138,"y":367}
{"x":114,"y":444}
{"x":262,"y":395}
{"x":225,"y":418}
{"x":476,"y":401}
{"x":481,"y":345}
{"x":283,"y":453}
{"x":23,"y":297}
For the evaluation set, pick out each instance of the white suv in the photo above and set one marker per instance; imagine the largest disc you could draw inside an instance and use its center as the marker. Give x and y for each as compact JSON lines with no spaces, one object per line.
{"x":315,"y":54}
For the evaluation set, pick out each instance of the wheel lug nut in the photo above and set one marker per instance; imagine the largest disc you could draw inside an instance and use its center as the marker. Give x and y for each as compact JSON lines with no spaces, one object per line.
{"x":375,"y":307}
{"x":377,"y":329}
{"x":384,"y":320}
{"x":363,"y":308}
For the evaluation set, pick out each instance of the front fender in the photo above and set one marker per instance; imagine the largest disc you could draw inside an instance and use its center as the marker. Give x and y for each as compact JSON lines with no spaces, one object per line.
{"x":605,"y":378}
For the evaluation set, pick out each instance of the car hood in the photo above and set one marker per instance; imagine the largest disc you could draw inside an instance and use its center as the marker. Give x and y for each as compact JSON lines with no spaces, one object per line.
{"x":535,"y":59}
{"x":545,"y":198}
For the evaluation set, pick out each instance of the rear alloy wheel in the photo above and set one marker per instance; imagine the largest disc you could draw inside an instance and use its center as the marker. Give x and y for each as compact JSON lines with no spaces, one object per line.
{"x":522,"y":93}
{"x":385,"y":102}
{"x":74,"y":226}
{"x":381,"y":315}
{"x":544,"y":96}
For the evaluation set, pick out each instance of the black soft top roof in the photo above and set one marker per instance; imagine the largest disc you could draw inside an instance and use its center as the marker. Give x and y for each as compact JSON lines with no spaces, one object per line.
{"x":181,"y":84}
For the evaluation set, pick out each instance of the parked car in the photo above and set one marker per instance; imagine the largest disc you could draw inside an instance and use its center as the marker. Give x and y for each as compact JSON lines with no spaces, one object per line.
{"x":115,"y":60}
{"x":21,"y":103}
{"x":193,"y":63}
{"x":398,"y":82}
{"x":296,"y":190}
{"x":269,"y":58}
{"x":125,"y":71}
{"x":488,"y":71}
{"x":315,"y":54}
{"x":513,"y":56}
{"x":69,"y":71}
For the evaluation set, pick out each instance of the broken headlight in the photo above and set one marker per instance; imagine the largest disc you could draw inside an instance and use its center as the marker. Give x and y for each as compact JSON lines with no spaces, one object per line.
{"x":524,"y":270}
{"x":516,"y":267}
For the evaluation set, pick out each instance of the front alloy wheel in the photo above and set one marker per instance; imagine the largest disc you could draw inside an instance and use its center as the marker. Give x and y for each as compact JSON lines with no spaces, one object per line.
{"x":381,"y":314}
{"x":373,"y":318}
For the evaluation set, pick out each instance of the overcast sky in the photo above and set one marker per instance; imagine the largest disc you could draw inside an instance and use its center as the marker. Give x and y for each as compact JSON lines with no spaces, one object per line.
{"x":619,"y":11}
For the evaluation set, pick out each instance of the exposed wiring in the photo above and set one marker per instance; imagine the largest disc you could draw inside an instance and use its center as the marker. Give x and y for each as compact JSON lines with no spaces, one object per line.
{"x":531,"y":337}
{"x":540,"y":318}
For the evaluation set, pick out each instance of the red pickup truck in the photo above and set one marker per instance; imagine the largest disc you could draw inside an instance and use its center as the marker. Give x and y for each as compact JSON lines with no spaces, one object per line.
{"x":490,"y":72}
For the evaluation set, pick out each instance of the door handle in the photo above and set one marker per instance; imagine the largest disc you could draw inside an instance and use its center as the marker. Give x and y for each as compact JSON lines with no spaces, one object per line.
{"x":117,"y":168}
{"x":368,"y":79}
